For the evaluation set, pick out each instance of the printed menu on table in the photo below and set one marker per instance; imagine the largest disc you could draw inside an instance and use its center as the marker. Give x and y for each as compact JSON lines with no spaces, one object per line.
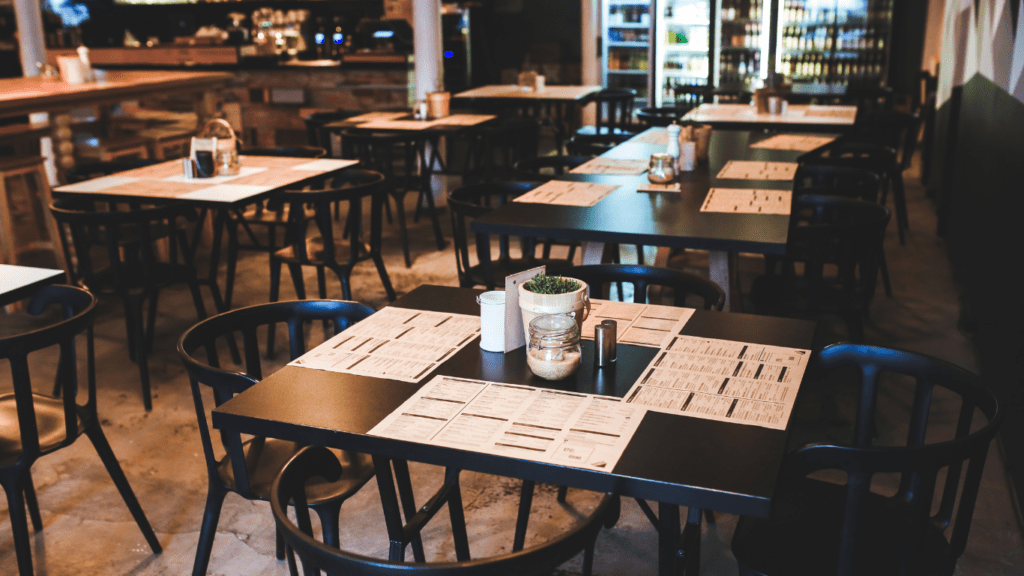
{"x":722,"y":380}
{"x":568,"y":428}
{"x":465,"y":119}
{"x":395,"y":343}
{"x":798,"y":142}
{"x":755,"y":170}
{"x":613,"y":166}
{"x":639,"y":324}
{"x":748,"y":201}
{"x":566,"y":193}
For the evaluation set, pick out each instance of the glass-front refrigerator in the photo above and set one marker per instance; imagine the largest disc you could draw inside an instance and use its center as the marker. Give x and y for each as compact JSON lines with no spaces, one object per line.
{"x":743,"y":31}
{"x":682,"y":52}
{"x":828,"y":46}
{"x":626,"y":28}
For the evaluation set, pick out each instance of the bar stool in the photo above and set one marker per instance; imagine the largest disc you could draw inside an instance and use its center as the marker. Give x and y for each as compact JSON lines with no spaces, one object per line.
{"x":18,"y":210}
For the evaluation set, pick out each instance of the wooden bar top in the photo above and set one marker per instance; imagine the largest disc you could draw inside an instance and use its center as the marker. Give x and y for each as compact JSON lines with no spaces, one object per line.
{"x":49,"y":94}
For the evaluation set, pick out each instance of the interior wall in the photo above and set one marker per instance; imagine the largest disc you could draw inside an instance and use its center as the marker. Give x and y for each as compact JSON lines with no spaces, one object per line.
{"x":932,"y":51}
{"x":978,"y":151}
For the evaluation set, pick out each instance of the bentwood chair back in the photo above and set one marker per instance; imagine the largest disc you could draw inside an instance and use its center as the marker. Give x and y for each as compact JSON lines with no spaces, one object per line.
{"x":33,"y":425}
{"x":826,"y":233}
{"x":311,"y":462}
{"x":323,"y":252}
{"x":130,"y":265}
{"x":316,"y":134}
{"x":398,"y":156}
{"x":474,"y":201}
{"x":600,"y":277}
{"x":249,"y":468}
{"x":921,"y":527}
{"x":614,"y":111}
{"x":845,"y":181}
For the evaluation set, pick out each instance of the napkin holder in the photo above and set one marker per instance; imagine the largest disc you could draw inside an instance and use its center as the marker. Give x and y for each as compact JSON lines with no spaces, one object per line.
{"x":515,"y":337}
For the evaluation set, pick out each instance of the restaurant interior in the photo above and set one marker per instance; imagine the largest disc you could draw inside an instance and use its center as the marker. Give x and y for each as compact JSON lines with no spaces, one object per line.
{"x":510,"y":287}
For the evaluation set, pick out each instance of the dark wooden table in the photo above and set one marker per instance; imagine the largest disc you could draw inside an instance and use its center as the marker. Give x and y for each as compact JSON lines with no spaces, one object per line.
{"x":18,"y":282}
{"x":798,"y":117}
{"x":674,"y":460}
{"x":663,"y":219}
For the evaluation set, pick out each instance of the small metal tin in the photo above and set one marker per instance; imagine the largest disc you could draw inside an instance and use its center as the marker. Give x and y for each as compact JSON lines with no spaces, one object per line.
{"x":605,"y":335}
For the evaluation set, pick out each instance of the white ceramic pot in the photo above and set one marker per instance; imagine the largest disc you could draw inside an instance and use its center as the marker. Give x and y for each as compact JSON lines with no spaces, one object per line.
{"x":575,"y":303}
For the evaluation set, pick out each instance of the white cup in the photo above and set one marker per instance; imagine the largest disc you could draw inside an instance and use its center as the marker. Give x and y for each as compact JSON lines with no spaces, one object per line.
{"x":71,"y":69}
{"x":492,"y":321}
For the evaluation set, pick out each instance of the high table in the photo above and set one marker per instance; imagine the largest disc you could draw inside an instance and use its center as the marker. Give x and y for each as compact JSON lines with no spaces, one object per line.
{"x":17,"y":282}
{"x":674,"y":460}
{"x":798,"y":117}
{"x":49,"y":94}
{"x":259,"y":177}
{"x":549,"y":105}
{"x":664,"y":219}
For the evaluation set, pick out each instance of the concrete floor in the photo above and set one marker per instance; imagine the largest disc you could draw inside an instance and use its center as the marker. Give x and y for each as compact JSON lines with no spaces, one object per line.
{"x":89,"y":531}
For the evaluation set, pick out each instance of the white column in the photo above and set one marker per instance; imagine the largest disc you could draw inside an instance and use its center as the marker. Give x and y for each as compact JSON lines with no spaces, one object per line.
{"x":590,"y":65}
{"x":31,"y":43}
{"x":426,"y":24}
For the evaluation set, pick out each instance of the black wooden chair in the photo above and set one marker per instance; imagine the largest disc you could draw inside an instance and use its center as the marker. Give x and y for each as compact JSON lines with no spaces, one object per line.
{"x":351,"y":187}
{"x":844,"y":181}
{"x":880,"y":159}
{"x":613,"y":122}
{"x":826,"y":234}
{"x":34,"y":425}
{"x":685,"y":98}
{"x":316,"y":134}
{"x":249,"y":468}
{"x":259,"y":216}
{"x":316,"y":557}
{"x":129,"y":266}
{"x":599,"y":278}
{"x":474,"y":201}
{"x":398,"y":156}
{"x":822,"y":528}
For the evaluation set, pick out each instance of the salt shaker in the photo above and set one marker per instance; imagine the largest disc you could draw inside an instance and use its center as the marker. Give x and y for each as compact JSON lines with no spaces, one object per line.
{"x":604,"y":343}
{"x":673,"y":140}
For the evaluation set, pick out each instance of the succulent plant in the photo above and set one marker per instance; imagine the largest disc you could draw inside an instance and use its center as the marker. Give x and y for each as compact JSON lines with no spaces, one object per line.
{"x":543,"y":284}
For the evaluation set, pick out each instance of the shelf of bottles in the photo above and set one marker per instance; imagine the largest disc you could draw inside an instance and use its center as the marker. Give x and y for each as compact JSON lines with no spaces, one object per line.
{"x":743,"y":27}
{"x":625,"y":47}
{"x":827,"y":46}
{"x":681,"y":53}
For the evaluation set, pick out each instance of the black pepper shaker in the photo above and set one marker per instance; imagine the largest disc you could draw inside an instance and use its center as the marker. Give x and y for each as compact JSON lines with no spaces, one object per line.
{"x":604,"y":343}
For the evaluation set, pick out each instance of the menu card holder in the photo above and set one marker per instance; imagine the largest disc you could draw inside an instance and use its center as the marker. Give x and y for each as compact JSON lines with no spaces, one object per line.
{"x":514,"y":335}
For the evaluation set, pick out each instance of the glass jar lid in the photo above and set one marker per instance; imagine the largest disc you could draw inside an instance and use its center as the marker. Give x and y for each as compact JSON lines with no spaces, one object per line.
{"x":553,"y":326}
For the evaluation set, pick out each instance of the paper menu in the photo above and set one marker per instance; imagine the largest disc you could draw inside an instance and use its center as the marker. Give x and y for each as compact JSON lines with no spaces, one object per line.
{"x":755,"y":170}
{"x":638,"y":324}
{"x":397,"y":124}
{"x":395,"y":343}
{"x":748,"y":201}
{"x":465,"y":119}
{"x":797,"y":142}
{"x":652,"y":187}
{"x":372,"y":116}
{"x":722,"y":380}
{"x":566,"y":193}
{"x":579,"y":430}
{"x":612,"y":166}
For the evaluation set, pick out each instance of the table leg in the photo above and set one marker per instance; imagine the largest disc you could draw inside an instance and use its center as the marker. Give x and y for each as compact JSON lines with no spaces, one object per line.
{"x":689,"y":548}
{"x":723,"y":267}
{"x":408,"y":500}
{"x":392,"y":513}
{"x":668,"y":538}
{"x":219,"y":223}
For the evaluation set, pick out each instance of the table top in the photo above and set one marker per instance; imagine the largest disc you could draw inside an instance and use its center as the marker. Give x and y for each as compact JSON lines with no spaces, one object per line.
{"x":17,"y":282}
{"x":673,"y":459}
{"x":671,"y":219}
{"x":797,"y":115}
{"x":259,"y":176}
{"x":568,"y":93}
{"x":404,"y":122}
{"x":48,"y":94}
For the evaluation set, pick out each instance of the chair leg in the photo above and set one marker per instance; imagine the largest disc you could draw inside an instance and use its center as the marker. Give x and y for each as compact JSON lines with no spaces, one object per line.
{"x":232,"y":264}
{"x":150,"y":326}
{"x":211,"y":515}
{"x":900,"y":200}
{"x":330,"y":516}
{"x":428,"y":195}
{"x":275,"y":287}
{"x":563,"y":491}
{"x":99,"y":441}
{"x":883,"y":268}
{"x":281,"y":546}
{"x":19,"y":524}
{"x":136,"y":333}
{"x":403,"y":232}
{"x":384,"y":279}
{"x":32,"y":503}
{"x":297,"y":280}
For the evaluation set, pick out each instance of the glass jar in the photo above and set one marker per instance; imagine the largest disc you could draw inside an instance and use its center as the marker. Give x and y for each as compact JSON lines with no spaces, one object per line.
{"x":554,"y":350}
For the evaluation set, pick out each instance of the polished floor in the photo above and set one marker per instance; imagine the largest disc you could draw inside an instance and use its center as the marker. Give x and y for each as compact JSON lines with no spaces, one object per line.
{"x":87,"y":529}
